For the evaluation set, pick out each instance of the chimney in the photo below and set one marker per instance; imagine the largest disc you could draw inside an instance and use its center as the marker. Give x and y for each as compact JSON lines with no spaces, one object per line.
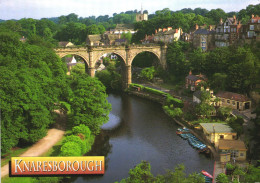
{"x":190,"y":73}
{"x":164,"y":29}
{"x":253,"y":15}
{"x":196,"y":27}
{"x":169,"y":28}
{"x":221,"y":21}
{"x":156,"y":31}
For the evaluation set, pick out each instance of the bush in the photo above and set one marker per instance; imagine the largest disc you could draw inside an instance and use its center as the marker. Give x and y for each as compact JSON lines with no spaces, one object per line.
{"x":148,"y":73}
{"x":70,"y":149}
{"x":230,"y":166}
{"x":176,"y":102}
{"x":177,"y":112}
{"x":77,"y":140}
{"x":83,"y":129}
{"x":222,"y":178}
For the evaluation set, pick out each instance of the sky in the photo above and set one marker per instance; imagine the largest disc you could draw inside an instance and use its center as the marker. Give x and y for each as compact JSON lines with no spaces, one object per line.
{"x":17,"y":9}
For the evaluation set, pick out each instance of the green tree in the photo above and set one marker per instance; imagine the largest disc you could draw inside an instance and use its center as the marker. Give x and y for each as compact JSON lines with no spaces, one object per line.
{"x":148,"y":73}
{"x":88,"y":102}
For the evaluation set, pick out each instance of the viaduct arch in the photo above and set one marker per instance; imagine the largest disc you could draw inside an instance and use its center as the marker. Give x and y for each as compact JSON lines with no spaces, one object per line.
{"x":92,"y":54}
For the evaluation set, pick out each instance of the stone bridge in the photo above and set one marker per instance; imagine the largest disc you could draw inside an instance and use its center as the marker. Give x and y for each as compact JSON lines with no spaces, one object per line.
{"x":127,"y":53}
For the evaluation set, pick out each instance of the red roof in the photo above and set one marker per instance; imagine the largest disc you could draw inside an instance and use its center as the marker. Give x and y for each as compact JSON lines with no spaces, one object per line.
{"x":232,"y":96}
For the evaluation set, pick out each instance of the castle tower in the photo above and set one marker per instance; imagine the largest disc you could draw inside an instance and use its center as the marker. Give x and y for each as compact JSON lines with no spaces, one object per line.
{"x":141,"y":16}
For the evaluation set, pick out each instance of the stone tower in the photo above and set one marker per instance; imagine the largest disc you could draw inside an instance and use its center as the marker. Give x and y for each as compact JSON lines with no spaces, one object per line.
{"x":141,"y":16}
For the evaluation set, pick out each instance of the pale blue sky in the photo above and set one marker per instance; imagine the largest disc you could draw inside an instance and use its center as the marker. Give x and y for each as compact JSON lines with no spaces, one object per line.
{"x":16,"y":9}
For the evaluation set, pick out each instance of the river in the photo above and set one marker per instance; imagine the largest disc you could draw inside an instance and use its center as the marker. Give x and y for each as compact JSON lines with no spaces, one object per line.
{"x":145,"y":133}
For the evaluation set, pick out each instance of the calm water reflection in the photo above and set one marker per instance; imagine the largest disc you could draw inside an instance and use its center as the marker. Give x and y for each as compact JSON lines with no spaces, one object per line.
{"x":144,"y":133}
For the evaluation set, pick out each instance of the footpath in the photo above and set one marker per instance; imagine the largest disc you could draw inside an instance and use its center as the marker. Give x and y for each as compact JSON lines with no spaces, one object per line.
{"x":53,"y":136}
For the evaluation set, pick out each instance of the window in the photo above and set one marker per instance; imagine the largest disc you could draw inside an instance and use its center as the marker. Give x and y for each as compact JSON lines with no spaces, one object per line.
{"x":221,"y":136}
{"x":223,"y":100}
{"x":233,"y":137}
{"x":251,"y":27}
{"x":228,"y":101}
{"x":235,"y":29}
{"x":241,"y":154}
{"x":233,"y":102}
{"x":259,"y":21}
{"x":226,"y":23}
{"x":232,"y":29}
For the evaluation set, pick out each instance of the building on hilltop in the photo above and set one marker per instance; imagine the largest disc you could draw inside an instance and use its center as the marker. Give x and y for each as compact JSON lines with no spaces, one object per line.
{"x":203,"y":38}
{"x":167,"y":35}
{"x":141,"y":16}
{"x":254,"y":28}
{"x":123,"y":28}
{"x":95,"y":40}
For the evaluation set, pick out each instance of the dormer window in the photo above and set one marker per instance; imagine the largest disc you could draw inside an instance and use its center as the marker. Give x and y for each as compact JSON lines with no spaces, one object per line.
{"x":226,"y":23}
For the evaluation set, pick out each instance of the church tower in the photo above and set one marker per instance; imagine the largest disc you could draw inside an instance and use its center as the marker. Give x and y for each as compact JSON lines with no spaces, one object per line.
{"x":141,"y":16}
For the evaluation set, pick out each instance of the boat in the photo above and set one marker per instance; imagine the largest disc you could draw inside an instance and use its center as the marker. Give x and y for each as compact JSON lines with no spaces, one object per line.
{"x":206,"y":174}
{"x":182,"y":130}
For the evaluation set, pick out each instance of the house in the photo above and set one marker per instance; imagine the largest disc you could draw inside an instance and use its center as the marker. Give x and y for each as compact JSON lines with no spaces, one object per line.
{"x":148,"y":39}
{"x":94,"y":40}
{"x":109,"y":39}
{"x":204,"y":39}
{"x":123,"y":28}
{"x":234,"y":100}
{"x":227,"y":32}
{"x":232,"y":149}
{"x":193,"y":80}
{"x":167,"y":35}
{"x":216,"y":131}
{"x":254,"y":28}
{"x":65,"y":44}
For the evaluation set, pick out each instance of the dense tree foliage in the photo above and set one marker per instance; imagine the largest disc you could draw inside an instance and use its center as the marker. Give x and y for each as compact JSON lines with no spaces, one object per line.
{"x":88,"y":102}
{"x":142,"y":174}
{"x":32,"y":81}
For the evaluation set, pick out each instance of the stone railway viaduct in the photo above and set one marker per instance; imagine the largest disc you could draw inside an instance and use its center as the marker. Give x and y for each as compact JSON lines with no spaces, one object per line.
{"x":127,"y":53}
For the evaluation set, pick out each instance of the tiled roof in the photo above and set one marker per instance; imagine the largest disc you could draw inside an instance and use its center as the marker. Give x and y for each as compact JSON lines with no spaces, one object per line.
{"x":124,"y":26}
{"x":232,"y":96}
{"x":94,"y":37}
{"x":218,"y":127}
{"x":231,"y":144}
{"x":172,"y":31}
{"x":192,"y":77}
{"x":63,"y":43}
{"x":203,"y":31}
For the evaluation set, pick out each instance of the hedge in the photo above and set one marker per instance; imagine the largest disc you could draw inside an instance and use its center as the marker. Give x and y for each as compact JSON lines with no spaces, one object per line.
{"x":136,"y":85}
{"x":176,"y":102}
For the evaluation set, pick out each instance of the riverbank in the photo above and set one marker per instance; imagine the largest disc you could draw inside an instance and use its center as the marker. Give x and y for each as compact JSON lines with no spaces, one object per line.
{"x":162,"y":100}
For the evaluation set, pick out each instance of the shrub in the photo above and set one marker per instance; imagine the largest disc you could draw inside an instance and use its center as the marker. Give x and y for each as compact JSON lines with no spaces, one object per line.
{"x":77,"y":140}
{"x":83,"y":129}
{"x":70,"y":149}
{"x":176,"y":102}
{"x":230,"y":166}
{"x":177,"y":112}
{"x":222,"y":178}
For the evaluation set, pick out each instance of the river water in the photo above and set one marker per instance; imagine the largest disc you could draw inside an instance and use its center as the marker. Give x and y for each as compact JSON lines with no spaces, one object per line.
{"x":145,"y":133}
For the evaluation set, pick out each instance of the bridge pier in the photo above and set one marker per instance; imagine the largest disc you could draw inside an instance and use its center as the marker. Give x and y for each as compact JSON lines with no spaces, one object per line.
{"x":128,"y":76}
{"x":91,"y":71}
